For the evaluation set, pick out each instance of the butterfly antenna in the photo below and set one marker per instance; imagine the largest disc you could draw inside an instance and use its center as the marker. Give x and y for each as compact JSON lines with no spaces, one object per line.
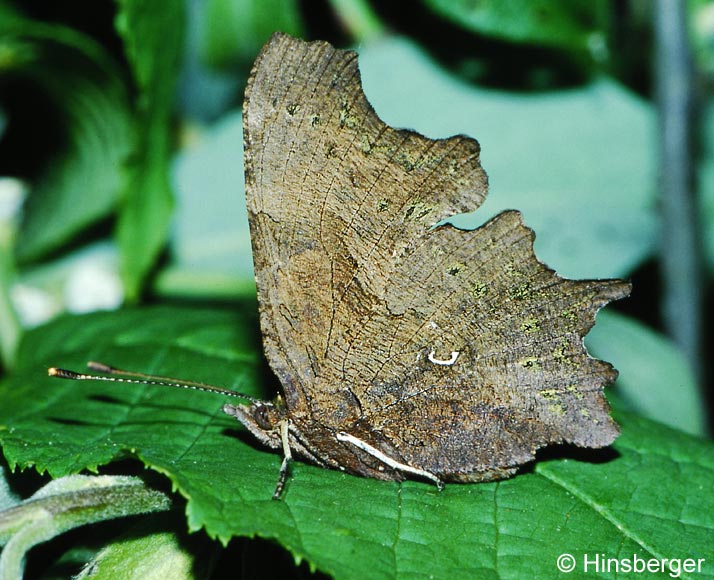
{"x":115,"y":375}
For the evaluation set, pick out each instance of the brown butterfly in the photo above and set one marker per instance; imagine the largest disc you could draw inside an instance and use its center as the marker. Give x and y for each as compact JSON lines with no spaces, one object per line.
{"x":404,"y":348}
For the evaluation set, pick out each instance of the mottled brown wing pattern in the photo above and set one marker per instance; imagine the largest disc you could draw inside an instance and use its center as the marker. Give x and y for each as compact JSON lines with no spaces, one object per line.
{"x":456,"y":352}
{"x":520,"y":379}
{"x":331,"y":192}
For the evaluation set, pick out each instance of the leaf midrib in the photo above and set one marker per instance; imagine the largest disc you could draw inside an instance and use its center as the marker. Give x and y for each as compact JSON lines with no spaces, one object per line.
{"x":608,"y":516}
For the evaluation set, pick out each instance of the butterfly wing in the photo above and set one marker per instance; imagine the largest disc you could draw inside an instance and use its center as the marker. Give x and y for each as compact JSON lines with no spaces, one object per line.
{"x":453,"y":351}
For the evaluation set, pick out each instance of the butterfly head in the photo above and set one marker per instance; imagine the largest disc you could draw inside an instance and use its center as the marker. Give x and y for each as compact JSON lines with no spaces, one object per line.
{"x":261,"y":418}
{"x":266,"y":414}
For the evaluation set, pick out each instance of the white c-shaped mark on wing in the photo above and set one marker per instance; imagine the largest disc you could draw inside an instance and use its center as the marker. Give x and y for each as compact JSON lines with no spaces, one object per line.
{"x":444,"y":362}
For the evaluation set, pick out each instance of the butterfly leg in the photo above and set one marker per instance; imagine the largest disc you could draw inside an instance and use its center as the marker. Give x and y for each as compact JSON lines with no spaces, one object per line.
{"x":287,"y":459}
{"x":376,"y":453}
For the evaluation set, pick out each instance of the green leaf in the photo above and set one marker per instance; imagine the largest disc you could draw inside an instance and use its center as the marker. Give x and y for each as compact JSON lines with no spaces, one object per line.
{"x":211,"y":248}
{"x":153,"y":39}
{"x":655,"y":378}
{"x":588,"y":502}
{"x":234,"y":31}
{"x":574,"y":24}
{"x":67,"y":503}
{"x":579,"y":164}
{"x":9,"y":15}
{"x":86,"y":115}
{"x":147,"y":552}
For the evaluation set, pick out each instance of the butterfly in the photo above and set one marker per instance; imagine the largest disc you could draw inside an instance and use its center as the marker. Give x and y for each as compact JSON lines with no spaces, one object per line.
{"x":405,"y":347}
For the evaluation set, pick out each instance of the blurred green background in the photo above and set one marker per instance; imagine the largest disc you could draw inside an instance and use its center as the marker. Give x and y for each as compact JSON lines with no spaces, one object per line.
{"x":121,"y":168}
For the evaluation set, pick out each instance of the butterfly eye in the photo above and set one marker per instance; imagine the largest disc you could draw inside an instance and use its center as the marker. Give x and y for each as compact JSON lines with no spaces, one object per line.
{"x":263,"y":417}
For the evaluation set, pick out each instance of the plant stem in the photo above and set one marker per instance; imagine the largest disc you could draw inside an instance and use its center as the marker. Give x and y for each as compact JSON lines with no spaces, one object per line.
{"x":358,"y":18}
{"x":67,"y":503}
{"x":680,"y":252}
